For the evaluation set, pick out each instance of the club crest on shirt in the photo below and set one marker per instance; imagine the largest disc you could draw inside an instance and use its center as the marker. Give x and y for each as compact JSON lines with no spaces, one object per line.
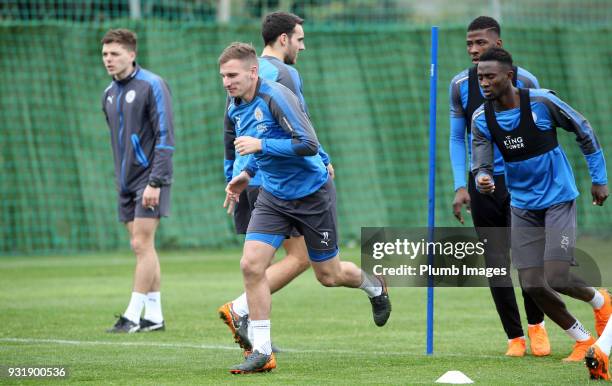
{"x":109,"y":99}
{"x":512,"y":143}
{"x":129,"y":97}
{"x":258,"y":114}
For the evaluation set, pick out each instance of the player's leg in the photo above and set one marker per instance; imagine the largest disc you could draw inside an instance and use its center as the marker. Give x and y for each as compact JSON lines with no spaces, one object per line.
{"x":265,"y":234}
{"x":235,"y":313}
{"x":295,"y":261}
{"x":148,"y":272}
{"x":332,"y":272}
{"x":258,"y":252}
{"x":538,"y":337}
{"x":142,"y":236}
{"x":153,"y":319}
{"x":336,"y":273}
{"x":318,"y":223}
{"x":560,"y":279}
{"x":291,"y":266}
{"x":128,"y":322}
{"x":280,"y":273}
{"x":534,"y":282}
{"x":528,"y":241}
{"x":559,"y":255}
{"x":548,"y":300}
{"x":490,"y":214}
{"x":143,"y":245}
{"x":256,"y":258}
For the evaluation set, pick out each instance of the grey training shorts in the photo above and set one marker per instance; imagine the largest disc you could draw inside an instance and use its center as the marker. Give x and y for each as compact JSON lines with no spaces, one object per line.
{"x":245,"y":207}
{"x":314,"y":216}
{"x":130,"y":205}
{"x":543,"y":235}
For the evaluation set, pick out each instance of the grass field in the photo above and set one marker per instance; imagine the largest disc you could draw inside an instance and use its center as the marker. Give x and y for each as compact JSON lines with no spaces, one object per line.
{"x":54,"y":310}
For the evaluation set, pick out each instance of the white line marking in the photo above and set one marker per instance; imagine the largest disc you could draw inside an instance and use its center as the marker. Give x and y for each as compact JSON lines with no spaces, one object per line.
{"x":234,"y":348}
{"x":133,"y":344}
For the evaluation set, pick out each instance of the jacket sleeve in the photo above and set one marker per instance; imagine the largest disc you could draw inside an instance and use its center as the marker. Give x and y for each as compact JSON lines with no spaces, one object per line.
{"x":251,"y":167}
{"x":482,"y":147}
{"x":160,"y":115}
{"x":229,"y":135}
{"x":564,"y":116}
{"x":324,"y":156}
{"x":104,"y":94}
{"x":457,"y":142}
{"x":288,"y":112}
{"x":527,"y":79}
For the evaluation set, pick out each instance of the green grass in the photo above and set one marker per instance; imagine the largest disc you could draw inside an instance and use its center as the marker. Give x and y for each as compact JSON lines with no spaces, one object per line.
{"x":54,"y":310}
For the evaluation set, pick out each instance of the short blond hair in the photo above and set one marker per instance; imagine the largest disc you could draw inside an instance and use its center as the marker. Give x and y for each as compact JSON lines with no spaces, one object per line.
{"x":240,"y":51}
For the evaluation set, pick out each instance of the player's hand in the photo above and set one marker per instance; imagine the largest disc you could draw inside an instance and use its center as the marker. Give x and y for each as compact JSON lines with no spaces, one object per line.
{"x":247,"y":145}
{"x":229,"y":203}
{"x":485,"y":183}
{"x":331,"y":171}
{"x":150,"y":197}
{"x":599,"y":193}
{"x":462,"y":197}
{"x":234,"y":188}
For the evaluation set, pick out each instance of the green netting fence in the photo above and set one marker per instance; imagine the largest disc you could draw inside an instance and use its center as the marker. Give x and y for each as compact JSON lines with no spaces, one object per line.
{"x":554,"y":12}
{"x":367,"y":90}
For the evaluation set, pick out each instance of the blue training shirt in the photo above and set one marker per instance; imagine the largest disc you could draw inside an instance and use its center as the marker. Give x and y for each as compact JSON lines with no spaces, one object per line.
{"x":547,"y":179}
{"x":270,"y":68}
{"x":458,"y":91}
{"x":289,"y":163}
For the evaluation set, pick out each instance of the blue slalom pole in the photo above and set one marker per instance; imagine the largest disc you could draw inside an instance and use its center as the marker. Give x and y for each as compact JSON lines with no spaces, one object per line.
{"x":433,"y":77}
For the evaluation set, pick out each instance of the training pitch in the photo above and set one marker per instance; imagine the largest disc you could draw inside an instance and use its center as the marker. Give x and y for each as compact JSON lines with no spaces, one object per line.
{"x":54,"y":311}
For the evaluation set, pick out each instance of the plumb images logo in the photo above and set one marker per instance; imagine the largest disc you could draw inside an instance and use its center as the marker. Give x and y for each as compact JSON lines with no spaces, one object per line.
{"x":402,"y":256}
{"x":454,"y":257}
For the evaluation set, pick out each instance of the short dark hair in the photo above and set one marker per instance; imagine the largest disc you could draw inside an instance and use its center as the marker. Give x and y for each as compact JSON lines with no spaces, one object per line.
{"x":277,"y":23}
{"x":497,"y":54}
{"x":241,"y":51}
{"x":486,"y":23}
{"x":123,"y":36}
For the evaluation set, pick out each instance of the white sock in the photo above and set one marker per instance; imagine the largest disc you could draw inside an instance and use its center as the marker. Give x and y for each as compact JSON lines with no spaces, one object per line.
{"x":240,"y":305}
{"x":153,"y":311}
{"x":261,"y":336}
{"x":605,"y":340}
{"x":598,"y":300}
{"x":250,"y":332}
{"x":371,"y":285}
{"x":134,"y":309}
{"x":577,"y":332}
